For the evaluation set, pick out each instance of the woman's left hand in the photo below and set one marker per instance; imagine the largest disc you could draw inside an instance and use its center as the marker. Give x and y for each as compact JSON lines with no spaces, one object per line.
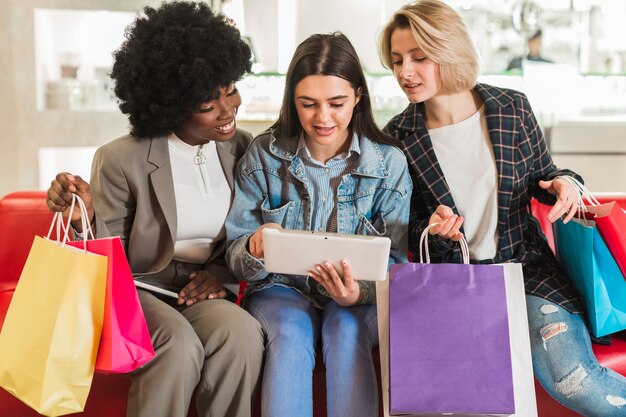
{"x":567,"y":199}
{"x":346,"y":291}
{"x":202,"y":285}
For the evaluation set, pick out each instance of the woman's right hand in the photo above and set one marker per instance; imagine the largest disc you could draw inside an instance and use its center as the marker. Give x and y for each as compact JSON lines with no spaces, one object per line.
{"x":59,"y":197}
{"x":448,"y":225}
{"x":255,"y":244}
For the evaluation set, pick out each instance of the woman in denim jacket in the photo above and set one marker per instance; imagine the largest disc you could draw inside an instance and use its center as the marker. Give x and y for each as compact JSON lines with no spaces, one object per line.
{"x":323,"y":166}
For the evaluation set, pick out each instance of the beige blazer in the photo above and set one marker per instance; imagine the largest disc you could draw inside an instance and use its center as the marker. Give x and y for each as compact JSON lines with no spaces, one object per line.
{"x":133,"y":192}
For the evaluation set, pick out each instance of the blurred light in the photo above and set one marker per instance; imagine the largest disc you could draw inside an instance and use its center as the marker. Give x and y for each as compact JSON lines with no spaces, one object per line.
{"x":286,"y":33}
{"x":234,"y":10}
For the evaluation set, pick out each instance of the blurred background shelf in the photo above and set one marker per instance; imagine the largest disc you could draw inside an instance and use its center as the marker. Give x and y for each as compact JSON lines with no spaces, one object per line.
{"x":57,"y":56}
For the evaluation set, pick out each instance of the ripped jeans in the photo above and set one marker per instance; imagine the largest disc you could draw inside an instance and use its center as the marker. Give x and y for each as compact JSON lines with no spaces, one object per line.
{"x":565,"y":365}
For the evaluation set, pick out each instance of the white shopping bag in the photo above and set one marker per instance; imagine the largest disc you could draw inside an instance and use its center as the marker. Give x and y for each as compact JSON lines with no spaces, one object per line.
{"x":521,"y":360}
{"x":382,"y":307}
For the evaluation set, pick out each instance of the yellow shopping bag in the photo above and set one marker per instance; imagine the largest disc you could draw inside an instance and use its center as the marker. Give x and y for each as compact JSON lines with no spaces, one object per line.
{"x":50,"y":337}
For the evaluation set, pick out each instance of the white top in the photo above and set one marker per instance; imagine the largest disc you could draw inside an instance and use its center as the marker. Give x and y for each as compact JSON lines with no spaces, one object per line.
{"x":203,"y":199}
{"x":465,"y":154}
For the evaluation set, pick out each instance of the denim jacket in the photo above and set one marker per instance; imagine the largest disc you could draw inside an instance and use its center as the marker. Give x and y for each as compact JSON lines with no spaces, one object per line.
{"x":272,"y":187}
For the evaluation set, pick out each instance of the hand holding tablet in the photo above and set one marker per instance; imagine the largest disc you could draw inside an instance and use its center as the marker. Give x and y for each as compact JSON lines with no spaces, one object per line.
{"x":298,"y":251}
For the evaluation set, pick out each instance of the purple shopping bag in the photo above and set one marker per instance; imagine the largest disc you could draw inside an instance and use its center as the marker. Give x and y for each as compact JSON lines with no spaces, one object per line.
{"x":449,"y":340}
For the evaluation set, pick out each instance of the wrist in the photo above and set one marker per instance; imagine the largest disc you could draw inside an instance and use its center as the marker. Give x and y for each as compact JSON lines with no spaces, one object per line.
{"x":361,"y":296}
{"x":77,"y":225}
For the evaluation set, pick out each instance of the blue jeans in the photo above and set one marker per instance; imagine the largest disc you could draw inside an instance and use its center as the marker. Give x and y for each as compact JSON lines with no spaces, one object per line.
{"x":565,"y":365}
{"x":293,"y":327}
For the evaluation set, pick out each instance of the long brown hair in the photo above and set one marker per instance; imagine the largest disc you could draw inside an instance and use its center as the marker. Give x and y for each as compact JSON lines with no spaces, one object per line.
{"x":328,"y":54}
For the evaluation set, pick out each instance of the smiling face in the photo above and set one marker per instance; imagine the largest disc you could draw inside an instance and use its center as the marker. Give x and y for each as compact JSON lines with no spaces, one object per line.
{"x":325,"y":104}
{"x":415,"y":72}
{"x":214,"y":120}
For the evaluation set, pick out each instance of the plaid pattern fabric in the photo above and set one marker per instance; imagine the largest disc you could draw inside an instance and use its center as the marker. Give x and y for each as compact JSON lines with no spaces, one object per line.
{"x":522,"y":159}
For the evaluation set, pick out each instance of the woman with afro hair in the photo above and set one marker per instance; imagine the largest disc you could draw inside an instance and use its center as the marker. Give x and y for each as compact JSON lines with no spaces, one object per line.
{"x":165,"y":190}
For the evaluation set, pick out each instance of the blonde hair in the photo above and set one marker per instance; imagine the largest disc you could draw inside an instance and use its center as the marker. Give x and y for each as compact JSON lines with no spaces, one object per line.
{"x":441,"y":34}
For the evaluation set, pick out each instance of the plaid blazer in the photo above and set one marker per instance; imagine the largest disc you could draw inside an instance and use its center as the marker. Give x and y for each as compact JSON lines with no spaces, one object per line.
{"x":522,"y":159}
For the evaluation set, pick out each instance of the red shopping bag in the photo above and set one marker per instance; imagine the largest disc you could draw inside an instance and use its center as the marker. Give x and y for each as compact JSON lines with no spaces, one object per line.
{"x":125,"y":344}
{"x":611,"y":221}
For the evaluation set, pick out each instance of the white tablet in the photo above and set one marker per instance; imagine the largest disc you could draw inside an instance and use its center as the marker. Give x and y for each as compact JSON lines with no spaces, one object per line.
{"x":298,"y":251}
{"x":154,"y":288}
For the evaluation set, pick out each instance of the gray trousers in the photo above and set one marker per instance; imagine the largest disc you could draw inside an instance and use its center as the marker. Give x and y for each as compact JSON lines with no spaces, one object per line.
{"x":213,"y":347}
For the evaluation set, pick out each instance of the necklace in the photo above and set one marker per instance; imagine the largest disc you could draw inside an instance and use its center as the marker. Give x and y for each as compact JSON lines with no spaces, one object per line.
{"x":199,"y":158}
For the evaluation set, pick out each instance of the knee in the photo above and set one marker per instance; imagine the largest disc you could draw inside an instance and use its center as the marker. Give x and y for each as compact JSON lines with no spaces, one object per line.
{"x":548,"y":322}
{"x":348,"y":325}
{"x":229,"y":327}
{"x":175,"y":341}
{"x":584,"y":386}
{"x":292,"y":334}
{"x":339,"y":336}
{"x":573,"y":383}
{"x":241,"y":329}
{"x":292,"y":325}
{"x":174,"y":333}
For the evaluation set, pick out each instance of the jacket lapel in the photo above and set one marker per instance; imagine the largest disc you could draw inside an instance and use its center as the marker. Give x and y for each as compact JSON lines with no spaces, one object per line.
{"x":228,"y":159}
{"x":422,"y":157}
{"x":162,"y":182}
{"x":501,"y":122}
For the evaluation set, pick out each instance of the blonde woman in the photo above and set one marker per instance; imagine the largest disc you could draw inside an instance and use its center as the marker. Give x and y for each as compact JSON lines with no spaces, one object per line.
{"x":477,"y":156}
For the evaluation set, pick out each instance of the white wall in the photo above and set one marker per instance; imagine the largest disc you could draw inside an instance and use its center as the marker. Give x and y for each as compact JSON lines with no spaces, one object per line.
{"x":24,"y":129}
{"x":360,"y":24}
{"x":360,"y":20}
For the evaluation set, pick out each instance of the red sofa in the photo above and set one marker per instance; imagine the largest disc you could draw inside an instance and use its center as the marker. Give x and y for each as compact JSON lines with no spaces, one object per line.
{"x":24,"y":214}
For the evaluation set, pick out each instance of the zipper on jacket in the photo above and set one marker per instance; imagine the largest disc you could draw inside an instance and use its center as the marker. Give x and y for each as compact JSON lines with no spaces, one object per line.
{"x":199,"y":160}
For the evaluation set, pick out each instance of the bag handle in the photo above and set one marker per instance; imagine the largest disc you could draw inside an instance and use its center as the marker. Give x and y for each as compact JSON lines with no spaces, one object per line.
{"x":85,"y":223}
{"x":583,"y":193}
{"x":424,"y":246}
{"x":63,"y":228}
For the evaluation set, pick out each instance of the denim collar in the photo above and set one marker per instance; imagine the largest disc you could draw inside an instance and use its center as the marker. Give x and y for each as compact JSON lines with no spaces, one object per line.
{"x":303,"y":152}
{"x":371,"y":162}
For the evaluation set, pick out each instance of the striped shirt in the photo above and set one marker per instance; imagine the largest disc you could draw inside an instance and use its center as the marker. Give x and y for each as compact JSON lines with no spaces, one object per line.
{"x":324,"y":181}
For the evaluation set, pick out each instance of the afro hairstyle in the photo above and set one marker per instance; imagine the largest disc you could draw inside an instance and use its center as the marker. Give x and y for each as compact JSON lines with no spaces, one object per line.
{"x":175,"y":58}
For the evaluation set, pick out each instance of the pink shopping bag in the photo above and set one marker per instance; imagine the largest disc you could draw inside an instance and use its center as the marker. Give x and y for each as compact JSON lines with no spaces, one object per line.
{"x":125,"y":344}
